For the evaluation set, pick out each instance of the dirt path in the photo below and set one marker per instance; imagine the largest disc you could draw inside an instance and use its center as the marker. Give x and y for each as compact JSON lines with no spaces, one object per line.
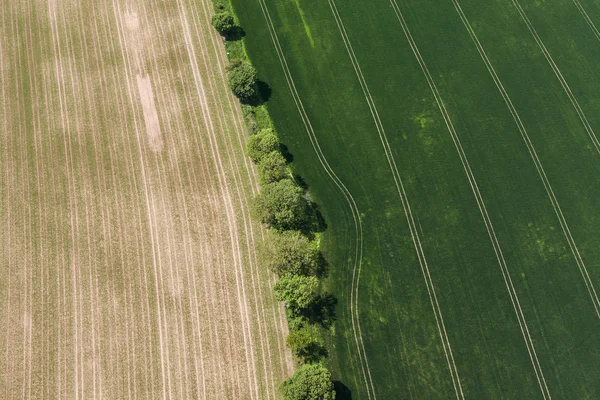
{"x":127,"y":251}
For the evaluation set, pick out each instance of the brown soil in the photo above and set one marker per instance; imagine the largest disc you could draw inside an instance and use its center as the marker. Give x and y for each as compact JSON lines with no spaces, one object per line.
{"x":127,"y":250}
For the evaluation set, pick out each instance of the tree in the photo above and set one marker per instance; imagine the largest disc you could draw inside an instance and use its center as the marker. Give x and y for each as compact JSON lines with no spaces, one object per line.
{"x":223,"y":23}
{"x":281,"y":205}
{"x":262,"y":143}
{"x":310,"y":382}
{"x":296,"y":291}
{"x":291,"y":252}
{"x":271,"y":168}
{"x":306,"y":345}
{"x":242,"y":79}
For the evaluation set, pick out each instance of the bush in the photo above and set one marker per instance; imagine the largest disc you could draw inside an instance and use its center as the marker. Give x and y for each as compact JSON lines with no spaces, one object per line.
{"x":305,"y":345}
{"x":310,"y":382}
{"x":291,"y":252}
{"x":223,"y":23}
{"x":242,"y":79}
{"x":262,"y":143}
{"x":281,"y":205}
{"x":271,"y":168}
{"x":296,"y":291}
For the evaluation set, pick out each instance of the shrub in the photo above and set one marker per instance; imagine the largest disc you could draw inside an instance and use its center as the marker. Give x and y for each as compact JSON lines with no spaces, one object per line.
{"x":296,"y":291}
{"x":281,"y":205}
{"x":305,"y":345}
{"x":310,"y":382}
{"x":223,"y":22}
{"x":291,"y":252}
{"x":261,"y":144}
{"x":271,"y":168}
{"x":242,"y":79}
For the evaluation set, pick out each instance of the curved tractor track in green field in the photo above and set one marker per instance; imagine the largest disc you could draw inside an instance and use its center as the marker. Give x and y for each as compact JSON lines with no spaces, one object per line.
{"x":347,"y":195}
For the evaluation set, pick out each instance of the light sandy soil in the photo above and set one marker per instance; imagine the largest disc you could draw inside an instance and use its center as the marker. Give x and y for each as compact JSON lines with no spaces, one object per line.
{"x":127,"y":255}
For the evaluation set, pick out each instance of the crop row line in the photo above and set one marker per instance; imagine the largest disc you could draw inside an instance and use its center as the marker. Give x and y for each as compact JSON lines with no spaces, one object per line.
{"x":480,"y":201}
{"x":538,"y":164}
{"x":587,"y":18}
{"x":559,"y":75}
{"x":523,"y":131}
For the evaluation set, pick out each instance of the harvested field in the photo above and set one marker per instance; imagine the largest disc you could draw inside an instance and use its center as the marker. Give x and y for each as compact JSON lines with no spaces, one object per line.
{"x":127,"y":253}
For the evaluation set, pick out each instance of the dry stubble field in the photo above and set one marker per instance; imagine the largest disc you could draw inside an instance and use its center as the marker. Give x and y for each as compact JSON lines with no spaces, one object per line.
{"x":127,"y":257}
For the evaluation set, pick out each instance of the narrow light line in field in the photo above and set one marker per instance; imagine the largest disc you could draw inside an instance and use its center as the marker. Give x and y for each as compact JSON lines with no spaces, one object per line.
{"x":33,"y":84}
{"x":538,"y":164}
{"x":406,"y":205}
{"x":243,"y":203}
{"x":169,"y":239}
{"x":149,"y":211}
{"x":239,"y":129}
{"x":478,"y":197}
{"x":6,"y":161}
{"x":72,"y":196}
{"x":559,"y":75}
{"x":212,"y":294}
{"x":356,"y":270}
{"x":242,"y":298}
{"x":173,"y":103}
{"x":587,"y":18}
{"x":135,"y":194}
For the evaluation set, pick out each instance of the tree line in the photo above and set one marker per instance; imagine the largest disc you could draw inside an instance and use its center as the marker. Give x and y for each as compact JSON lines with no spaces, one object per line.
{"x":291,"y":250}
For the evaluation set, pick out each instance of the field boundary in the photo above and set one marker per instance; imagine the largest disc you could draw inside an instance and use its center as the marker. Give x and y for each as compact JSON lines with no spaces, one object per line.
{"x":354,"y":293}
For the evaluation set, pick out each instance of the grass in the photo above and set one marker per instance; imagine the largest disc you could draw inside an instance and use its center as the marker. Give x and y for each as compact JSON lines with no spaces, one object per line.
{"x":405,"y":354}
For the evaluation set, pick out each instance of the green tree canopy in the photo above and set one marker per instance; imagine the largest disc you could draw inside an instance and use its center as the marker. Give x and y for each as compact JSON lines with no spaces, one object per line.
{"x":262,"y":143}
{"x":242,"y":79}
{"x":296,"y":291}
{"x":271,"y":168}
{"x":291,"y":252}
{"x":223,"y":22}
{"x":310,"y":382}
{"x":306,"y":345}
{"x":281,"y":205}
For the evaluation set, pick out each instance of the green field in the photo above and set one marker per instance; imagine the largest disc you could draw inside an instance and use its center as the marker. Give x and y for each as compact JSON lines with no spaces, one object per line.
{"x":452,"y":146}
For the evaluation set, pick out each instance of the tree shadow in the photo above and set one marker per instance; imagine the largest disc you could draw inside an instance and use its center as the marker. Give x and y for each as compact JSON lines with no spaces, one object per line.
{"x":236,"y":33}
{"x":315,"y":353}
{"x":289,"y":157}
{"x":321,"y":267}
{"x":264,"y":90}
{"x":342,"y":392}
{"x":322,"y":310}
{"x":263,"y":94}
{"x":315,"y":221}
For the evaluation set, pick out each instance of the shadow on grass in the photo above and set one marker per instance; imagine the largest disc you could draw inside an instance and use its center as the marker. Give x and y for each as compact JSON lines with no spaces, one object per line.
{"x":342,"y":392}
{"x":236,"y":33}
{"x":289,"y":157}
{"x":263,"y":94}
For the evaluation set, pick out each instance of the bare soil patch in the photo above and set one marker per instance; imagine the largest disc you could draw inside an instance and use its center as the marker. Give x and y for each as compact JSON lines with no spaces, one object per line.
{"x":150,"y":114}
